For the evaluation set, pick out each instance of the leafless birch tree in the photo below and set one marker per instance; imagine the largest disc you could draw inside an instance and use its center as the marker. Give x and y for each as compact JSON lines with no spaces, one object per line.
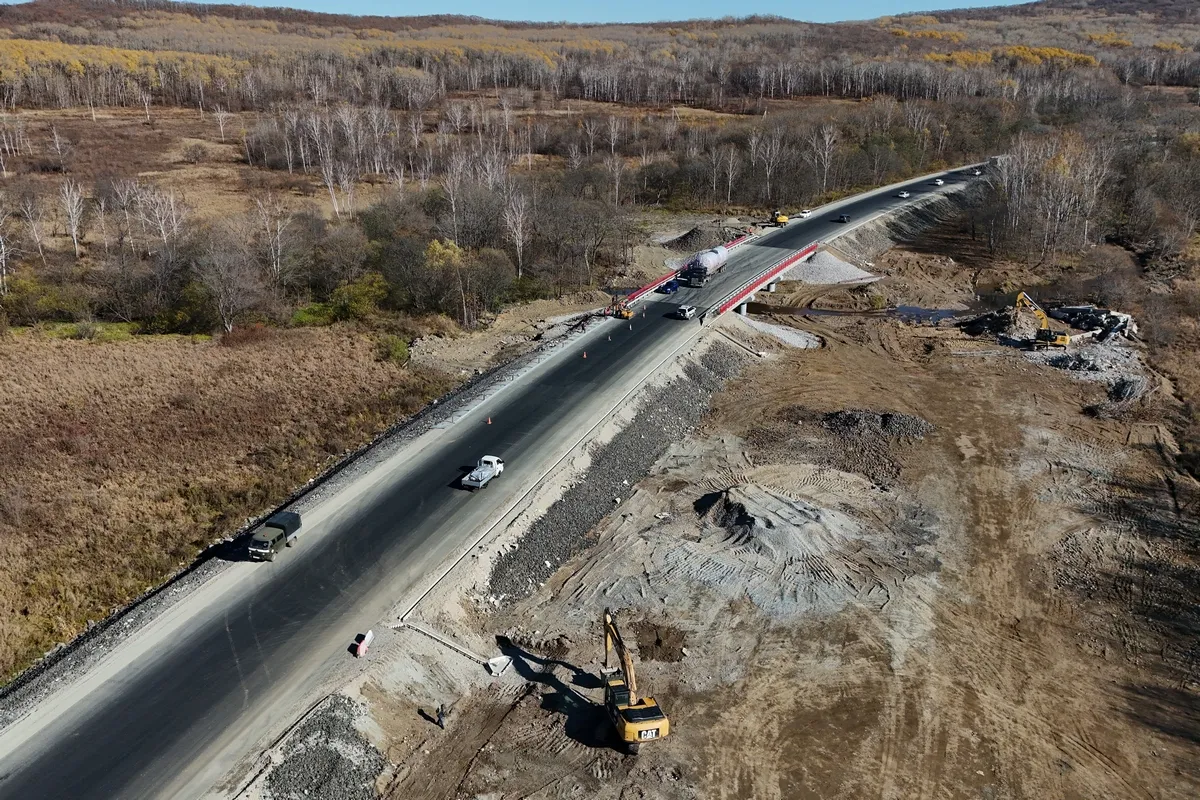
{"x":71,"y":195}
{"x":516,"y":226}
{"x":222,"y":117}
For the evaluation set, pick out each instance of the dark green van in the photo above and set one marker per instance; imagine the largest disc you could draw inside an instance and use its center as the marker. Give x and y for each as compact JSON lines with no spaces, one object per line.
{"x":282,"y":529}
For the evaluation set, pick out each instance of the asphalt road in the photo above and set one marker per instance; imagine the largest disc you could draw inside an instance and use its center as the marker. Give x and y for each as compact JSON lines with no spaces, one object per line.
{"x":148,"y":731}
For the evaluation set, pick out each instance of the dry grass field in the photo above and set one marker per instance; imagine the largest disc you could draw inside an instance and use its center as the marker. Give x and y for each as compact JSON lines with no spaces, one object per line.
{"x":123,"y":460}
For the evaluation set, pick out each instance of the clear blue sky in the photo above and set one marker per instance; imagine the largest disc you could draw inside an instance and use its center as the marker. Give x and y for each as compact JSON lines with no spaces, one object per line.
{"x":633,"y":10}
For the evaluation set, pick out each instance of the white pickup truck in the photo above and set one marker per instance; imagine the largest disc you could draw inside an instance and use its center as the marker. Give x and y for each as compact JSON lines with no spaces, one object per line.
{"x":488,"y":467}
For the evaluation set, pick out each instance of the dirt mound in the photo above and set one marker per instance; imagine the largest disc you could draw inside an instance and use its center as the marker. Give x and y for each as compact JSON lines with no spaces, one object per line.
{"x":701,"y":237}
{"x":1005,"y":323}
{"x":786,"y":554}
{"x":867,"y":443}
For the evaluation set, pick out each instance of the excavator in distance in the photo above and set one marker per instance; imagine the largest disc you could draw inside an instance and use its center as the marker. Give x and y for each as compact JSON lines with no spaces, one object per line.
{"x":1045,"y":337}
{"x":636,"y":719}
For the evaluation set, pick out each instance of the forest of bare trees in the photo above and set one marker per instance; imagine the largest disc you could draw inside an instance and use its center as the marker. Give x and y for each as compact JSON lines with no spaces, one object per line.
{"x":501,"y":184}
{"x":178,"y":56}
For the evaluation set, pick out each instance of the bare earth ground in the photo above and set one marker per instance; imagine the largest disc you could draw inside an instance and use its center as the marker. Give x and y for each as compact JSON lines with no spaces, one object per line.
{"x":996,"y":602}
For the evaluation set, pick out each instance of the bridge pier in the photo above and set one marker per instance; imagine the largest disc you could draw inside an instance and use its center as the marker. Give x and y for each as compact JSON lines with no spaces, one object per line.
{"x":772,"y":286}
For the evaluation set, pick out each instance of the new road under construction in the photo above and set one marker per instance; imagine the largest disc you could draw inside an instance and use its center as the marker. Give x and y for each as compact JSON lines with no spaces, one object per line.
{"x":205,"y":692}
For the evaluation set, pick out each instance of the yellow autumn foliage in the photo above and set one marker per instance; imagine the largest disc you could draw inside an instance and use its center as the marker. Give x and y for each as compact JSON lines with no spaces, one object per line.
{"x":1109,"y":39}
{"x":1042,"y":55}
{"x":1189,"y":143}
{"x":954,"y":37}
{"x":22,"y":57}
{"x":1170,"y":47}
{"x":962,"y":58}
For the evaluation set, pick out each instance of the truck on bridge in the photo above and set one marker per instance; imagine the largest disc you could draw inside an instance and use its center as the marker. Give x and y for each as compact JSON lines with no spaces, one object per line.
{"x":703,"y":265}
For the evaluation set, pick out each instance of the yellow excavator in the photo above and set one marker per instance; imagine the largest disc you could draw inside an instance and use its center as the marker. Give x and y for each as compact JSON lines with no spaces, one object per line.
{"x":637,"y":719}
{"x":1045,"y":337}
{"x":778,"y":219}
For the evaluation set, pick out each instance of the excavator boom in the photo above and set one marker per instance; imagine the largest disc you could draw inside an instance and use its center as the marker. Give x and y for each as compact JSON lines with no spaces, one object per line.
{"x":637,"y":719}
{"x":614,"y":643}
{"x":1045,"y":337}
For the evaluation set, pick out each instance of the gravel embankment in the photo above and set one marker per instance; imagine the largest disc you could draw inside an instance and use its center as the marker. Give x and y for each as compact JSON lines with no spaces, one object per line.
{"x":667,"y":414}
{"x":327,"y":759}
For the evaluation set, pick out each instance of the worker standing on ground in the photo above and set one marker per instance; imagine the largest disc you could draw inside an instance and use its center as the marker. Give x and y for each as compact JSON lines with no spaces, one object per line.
{"x":441,"y":716}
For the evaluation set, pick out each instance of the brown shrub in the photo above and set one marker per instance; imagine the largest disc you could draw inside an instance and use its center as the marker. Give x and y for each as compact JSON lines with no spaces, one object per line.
{"x":246,"y":335}
{"x":195,"y":153}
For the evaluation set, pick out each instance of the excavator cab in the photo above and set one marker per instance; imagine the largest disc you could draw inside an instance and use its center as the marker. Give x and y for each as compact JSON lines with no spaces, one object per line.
{"x":778,"y":218}
{"x":635,"y":719}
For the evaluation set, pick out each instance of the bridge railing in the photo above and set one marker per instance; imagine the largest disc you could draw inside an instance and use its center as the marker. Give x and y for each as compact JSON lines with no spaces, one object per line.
{"x":738,"y":295}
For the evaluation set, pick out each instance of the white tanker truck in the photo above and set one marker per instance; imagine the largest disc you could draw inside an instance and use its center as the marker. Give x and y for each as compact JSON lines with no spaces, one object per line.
{"x":703,"y":265}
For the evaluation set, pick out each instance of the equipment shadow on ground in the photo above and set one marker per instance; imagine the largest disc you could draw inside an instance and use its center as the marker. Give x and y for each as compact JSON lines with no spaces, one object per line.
{"x":586,"y":721}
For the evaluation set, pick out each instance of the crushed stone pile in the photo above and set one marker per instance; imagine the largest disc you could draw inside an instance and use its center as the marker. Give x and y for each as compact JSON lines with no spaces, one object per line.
{"x":1111,"y":363}
{"x":327,"y":758}
{"x":789,"y":336}
{"x":867,"y":423}
{"x":825,"y":268}
{"x":1078,"y":362}
{"x":668,"y":414}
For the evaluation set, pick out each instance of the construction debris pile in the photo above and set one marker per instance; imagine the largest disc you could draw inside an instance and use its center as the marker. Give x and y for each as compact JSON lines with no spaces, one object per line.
{"x":1100,"y":322}
{"x":1087,"y":323}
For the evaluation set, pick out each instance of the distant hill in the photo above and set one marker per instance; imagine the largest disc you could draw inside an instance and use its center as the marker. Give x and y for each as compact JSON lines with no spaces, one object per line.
{"x":64,"y":52}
